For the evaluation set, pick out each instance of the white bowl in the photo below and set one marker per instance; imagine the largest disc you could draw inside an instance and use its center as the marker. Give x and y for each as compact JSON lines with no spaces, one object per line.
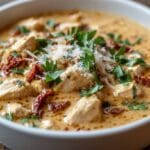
{"x":132,"y":136}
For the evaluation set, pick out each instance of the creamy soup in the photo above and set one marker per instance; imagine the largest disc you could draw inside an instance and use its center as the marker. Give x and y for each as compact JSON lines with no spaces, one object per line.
{"x":74,"y":70}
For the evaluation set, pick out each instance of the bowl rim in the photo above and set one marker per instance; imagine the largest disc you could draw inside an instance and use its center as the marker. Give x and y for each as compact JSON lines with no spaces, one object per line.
{"x":75,"y":134}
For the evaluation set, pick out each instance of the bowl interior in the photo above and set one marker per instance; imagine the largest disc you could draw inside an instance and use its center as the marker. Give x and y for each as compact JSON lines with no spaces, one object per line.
{"x":20,"y":9}
{"x":25,"y":8}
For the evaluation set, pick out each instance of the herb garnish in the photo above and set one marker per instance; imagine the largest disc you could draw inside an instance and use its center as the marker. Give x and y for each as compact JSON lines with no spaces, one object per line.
{"x":51,"y":23}
{"x":138,"y":106}
{"x":15,"y":54}
{"x":121,"y":75}
{"x":23,"y":29}
{"x":52,"y":72}
{"x":134,"y":92}
{"x":118,"y":39}
{"x":91,"y":91}
{"x":9,"y":116}
{"x":17,"y":70}
{"x":29,"y":118}
{"x":20,"y":83}
{"x":135,"y":61}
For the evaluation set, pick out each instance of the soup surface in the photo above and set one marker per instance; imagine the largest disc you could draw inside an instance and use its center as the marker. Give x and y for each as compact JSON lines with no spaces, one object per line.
{"x":74,"y":70}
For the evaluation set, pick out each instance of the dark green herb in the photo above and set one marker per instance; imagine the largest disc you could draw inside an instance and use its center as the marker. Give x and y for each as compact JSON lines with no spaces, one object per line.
{"x":53,"y":76}
{"x":42,"y":43}
{"x":57,"y":34}
{"x":20,"y":83}
{"x":9,"y":116}
{"x":1,"y":81}
{"x":115,"y":37}
{"x":135,"y":61}
{"x":17,"y":70}
{"x":100,"y":41}
{"x":52,"y":73}
{"x":118,"y":39}
{"x":121,"y":75}
{"x":15,"y":54}
{"x":23,"y":29}
{"x":134,"y":92}
{"x":91,"y":91}
{"x":138,"y":106}
{"x":118,"y":72}
{"x":51,"y":23}
{"x":29,"y":118}
{"x":88,"y":59}
{"x":49,"y":66}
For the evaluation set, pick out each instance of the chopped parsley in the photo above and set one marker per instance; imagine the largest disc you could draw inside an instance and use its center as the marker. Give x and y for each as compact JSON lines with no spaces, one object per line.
{"x":118,"y":39}
{"x":135,"y":61}
{"x":42,"y":43}
{"x":29,"y":118}
{"x":100,"y":41}
{"x":51,"y":23}
{"x":15,"y":54}
{"x":52,"y":72}
{"x":91,"y":91}
{"x":137,"y":106}
{"x":88,"y":59}
{"x":57,"y":34}
{"x":9,"y":116}
{"x":20,"y":83}
{"x":121,"y":75}
{"x":134,"y":92}
{"x":53,"y":76}
{"x":23,"y":29}
{"x":17,"y":70}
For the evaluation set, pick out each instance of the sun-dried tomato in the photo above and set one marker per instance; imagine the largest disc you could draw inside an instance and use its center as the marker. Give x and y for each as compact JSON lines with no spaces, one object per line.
{"x":143,"y":80}
{"x":36,"y":70}
{"x":113,"y":110}
{"x":11,"y":63}
{"x":40,"y":100}
{"x":58,"y":106}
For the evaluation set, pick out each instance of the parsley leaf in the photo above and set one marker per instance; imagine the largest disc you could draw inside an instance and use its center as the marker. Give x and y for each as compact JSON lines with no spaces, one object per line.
{"x":52,"y":73}
{"x":118,"y":72}
{"x":9,"y":116}
{"x":49,"y":66}
{"x":138,"y":106}
{"x":100,"y":41}
{"x":51,"y":23}
{"x":29,"y":118}
{"x":135,"y":61}
{"x":23,"y":29}
{"x":134,"y":92}
{"x":20,"y":83}
{"x":53,"y":76}
{"x":42,"y":43}
{"x":118,"y":39}
{"x":121,"y":75}
{"x":17,"y":70}
{"x":88,"y":59}
{"x":15,"y":54}
{"x":91,"y":91}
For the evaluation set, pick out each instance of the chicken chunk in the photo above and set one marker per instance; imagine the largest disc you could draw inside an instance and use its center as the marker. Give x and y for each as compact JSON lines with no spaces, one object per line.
{"x":17,"y":88}
{"x":27,"y":42}
{"x":87,"y":109}
{"x":74,"y":79}
{"x":16,"y":109}
{"x":126,"y":91}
